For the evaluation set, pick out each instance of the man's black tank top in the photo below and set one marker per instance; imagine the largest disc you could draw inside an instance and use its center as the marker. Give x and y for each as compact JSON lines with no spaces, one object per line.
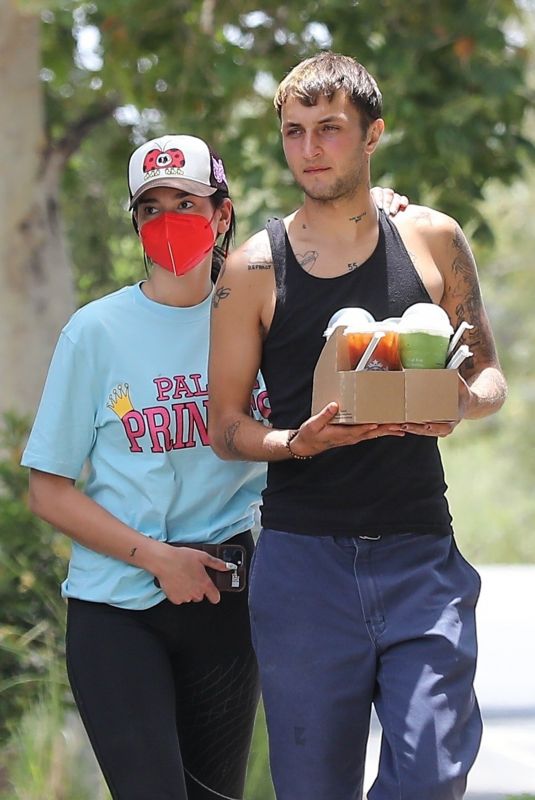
{"x":383,"y":486}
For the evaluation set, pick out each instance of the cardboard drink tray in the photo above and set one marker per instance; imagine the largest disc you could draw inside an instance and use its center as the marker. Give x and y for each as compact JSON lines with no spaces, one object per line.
{"x":411,"y":395}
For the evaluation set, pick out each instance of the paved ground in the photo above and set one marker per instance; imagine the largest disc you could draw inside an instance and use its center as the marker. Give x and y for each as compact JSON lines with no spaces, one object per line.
{"x":505,"y":685}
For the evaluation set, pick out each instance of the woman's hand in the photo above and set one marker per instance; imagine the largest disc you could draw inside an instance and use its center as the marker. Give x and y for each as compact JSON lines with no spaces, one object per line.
{"x":390,"y":201}
{"x":183,"y":578}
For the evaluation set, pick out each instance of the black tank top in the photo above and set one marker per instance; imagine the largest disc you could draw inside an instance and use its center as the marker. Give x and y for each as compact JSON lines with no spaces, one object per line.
{"x":386,"y":485}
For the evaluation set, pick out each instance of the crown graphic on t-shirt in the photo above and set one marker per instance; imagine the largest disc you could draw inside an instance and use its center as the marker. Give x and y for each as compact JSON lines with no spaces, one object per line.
{"x":119,"y":400}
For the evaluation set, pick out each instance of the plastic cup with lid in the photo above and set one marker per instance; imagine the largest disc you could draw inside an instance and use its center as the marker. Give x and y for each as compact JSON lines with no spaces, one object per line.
{"x":355,"y":318}
{"x":424,"y":336}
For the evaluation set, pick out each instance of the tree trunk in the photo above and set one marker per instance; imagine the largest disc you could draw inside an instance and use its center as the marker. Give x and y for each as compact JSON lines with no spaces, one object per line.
{"x":37,"y":294}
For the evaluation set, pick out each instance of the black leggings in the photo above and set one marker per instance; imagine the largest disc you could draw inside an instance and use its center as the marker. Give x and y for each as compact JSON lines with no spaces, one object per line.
{"x":168,"y":695}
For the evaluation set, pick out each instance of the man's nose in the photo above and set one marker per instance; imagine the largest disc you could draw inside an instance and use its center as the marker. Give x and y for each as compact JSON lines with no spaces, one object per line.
{"x":310,"y":145}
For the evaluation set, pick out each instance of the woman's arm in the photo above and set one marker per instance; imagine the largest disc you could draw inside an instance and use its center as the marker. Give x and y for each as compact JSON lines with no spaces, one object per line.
{"x":180,"y":571}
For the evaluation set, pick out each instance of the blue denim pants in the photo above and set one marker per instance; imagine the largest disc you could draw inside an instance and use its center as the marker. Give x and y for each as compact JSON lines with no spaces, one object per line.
{"x":340,"y":624}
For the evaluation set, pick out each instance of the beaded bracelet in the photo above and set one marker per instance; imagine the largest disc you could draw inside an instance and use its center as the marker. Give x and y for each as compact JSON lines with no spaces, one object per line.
{"x":291,"y":436}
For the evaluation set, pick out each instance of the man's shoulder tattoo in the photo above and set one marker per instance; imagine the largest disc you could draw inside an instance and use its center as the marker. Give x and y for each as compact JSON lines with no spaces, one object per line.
{"x":255,"y":264}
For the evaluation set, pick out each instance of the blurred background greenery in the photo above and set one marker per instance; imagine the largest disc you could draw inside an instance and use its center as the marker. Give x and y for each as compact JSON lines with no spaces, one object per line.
{"x":458,"y":85}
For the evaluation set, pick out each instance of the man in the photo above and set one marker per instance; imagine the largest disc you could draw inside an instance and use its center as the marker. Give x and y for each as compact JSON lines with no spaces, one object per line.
{"x":359,"y":595}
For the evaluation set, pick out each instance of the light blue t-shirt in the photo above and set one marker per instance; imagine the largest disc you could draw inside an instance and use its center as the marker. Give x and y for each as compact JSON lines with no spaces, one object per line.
{"x":127,"y":392}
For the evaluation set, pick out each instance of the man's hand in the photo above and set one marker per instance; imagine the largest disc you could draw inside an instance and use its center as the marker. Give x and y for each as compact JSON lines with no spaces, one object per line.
{"x":433,"y":429}
{"x":441,"y":429}
{"x":183,"y":578}
{"x":390,"y":201}
{"x":318,"y":433}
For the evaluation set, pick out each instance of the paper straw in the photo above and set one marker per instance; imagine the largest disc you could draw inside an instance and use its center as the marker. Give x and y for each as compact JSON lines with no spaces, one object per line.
{"x":367,"y":354}
{"x":464,"y":326}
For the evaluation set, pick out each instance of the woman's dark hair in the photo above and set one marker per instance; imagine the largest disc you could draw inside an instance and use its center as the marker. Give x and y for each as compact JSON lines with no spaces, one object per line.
{"x":220,"y":250}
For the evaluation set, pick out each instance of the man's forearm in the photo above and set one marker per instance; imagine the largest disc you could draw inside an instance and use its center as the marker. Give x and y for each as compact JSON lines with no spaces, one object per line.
{"x":488,"y":391}
{"x":244,"y":439}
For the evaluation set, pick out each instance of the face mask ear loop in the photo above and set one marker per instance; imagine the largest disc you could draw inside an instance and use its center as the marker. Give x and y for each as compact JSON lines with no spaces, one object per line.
{"x":172,"y":259}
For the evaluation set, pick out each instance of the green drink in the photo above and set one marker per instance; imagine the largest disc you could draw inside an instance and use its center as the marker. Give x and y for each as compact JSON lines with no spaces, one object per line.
{"x":424,"y":337}
{"x":423,"y":350}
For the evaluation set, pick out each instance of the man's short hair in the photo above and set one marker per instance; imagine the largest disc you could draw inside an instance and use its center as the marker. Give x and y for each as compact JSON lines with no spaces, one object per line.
{"x":327,"y":73}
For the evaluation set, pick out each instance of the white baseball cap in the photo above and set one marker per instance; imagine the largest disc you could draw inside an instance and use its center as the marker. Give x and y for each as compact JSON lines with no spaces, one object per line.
{"x":178,"y":161}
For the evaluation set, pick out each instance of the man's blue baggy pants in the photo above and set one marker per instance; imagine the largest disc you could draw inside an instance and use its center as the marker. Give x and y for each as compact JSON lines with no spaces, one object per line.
{"x":340,"y":624}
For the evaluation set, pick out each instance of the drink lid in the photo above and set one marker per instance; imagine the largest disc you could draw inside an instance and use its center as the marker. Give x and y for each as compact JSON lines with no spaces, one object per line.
{"x":356,"y":318}
{"x":426,"y":318}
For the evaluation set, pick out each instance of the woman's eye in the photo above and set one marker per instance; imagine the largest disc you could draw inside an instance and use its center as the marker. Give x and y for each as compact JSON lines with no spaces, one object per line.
{"x":185,"y":204}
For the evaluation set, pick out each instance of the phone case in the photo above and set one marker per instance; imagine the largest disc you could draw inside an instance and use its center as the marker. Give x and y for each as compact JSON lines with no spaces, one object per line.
{"x":235,"y":580}
{"x":232,"y":581}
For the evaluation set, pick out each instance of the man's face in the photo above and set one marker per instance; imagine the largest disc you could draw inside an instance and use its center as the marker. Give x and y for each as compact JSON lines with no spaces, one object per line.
{"x":325,"y":147}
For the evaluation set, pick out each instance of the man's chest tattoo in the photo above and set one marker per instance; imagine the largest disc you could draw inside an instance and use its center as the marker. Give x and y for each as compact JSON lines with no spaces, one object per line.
{"x":308,"y":260}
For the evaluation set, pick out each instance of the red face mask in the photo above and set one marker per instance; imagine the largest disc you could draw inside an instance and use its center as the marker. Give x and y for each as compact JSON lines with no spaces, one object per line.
{"x":177,"y":242}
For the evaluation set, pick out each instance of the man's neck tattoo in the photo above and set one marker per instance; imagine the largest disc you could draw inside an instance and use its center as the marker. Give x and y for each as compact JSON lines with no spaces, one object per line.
{"x":358,"y":217}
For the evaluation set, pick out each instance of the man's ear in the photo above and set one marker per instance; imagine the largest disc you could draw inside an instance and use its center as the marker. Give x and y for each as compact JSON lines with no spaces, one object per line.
{"x":375,"y":131}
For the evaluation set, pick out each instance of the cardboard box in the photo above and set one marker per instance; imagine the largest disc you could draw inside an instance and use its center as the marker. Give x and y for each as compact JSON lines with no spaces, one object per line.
{"x":412,"y":395}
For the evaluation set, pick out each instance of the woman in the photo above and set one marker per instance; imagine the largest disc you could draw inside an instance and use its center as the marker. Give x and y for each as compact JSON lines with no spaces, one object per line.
{"x":165,"y":683}
{"x":160,"y":662}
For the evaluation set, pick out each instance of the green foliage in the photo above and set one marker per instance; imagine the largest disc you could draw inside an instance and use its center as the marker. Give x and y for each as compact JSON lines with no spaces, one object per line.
{"x":49,"y":755}
{"x":32,"y":563}
{"x":259,"y":786}
{"x":509,"y":288}
{"x":105,"y":253}
{"x":489,"y":492}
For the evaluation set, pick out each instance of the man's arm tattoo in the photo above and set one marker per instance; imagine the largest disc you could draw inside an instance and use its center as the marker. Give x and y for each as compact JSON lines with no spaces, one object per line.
{"x":463,"y":263}
{"x":230,"y":435}
{"x":219,"y":295}
{"x":465,"y":286}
